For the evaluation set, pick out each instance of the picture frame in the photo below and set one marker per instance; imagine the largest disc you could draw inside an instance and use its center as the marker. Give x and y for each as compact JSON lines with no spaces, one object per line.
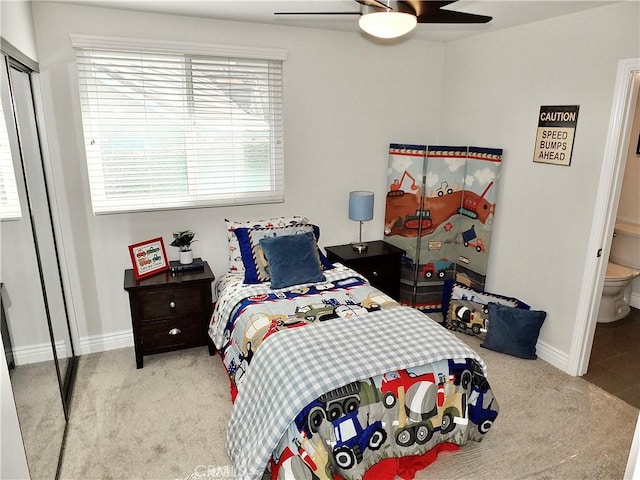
{"x":556,"y":134}
{"x":148,"y":258}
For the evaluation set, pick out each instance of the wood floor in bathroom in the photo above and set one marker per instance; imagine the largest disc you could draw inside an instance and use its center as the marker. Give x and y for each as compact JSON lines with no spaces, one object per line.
{"x":615,"y":358}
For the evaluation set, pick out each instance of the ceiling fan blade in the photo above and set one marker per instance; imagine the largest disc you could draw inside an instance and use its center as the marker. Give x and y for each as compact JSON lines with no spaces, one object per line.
{"x":450,"y":16}
{"x":426,"y":11}
{"x":420,"y":7}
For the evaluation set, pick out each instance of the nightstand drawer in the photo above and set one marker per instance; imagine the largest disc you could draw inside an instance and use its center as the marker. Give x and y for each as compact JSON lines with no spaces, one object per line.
{"x":379,"y":271}
{"x":383,"y":276}
{"x":171,"y":333}
{"x":380,"y":264}
{"x":169,"y":303}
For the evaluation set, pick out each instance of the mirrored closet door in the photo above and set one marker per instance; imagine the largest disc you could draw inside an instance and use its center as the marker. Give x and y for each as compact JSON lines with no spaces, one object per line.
{"x":36,"y":332}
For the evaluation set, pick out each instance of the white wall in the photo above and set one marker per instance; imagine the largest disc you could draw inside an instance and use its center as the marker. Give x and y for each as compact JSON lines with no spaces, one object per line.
{"x":345,"y":100}
{"x":16,"y":26}
{"x":495,"y":85}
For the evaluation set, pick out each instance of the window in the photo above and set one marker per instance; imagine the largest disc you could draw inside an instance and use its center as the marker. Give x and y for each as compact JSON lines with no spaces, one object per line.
{"x":9,"y":200}
{"x":179,"y":126}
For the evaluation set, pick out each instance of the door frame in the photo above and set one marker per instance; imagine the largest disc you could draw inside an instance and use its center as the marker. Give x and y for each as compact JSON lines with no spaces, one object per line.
{"x":608,"y":196}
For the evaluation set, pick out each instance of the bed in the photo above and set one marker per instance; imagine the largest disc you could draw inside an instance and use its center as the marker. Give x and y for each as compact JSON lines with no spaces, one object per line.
{"x":330,"y":377}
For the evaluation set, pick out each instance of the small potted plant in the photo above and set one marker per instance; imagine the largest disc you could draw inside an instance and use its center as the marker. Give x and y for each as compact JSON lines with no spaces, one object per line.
{"x":183,"y":241}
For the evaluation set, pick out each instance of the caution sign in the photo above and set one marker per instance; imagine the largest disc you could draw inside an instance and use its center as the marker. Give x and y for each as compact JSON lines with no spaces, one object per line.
{"x":556,"y":130}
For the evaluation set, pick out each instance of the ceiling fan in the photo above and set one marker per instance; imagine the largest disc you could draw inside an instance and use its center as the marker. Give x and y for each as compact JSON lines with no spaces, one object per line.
{"x":391,"y":19}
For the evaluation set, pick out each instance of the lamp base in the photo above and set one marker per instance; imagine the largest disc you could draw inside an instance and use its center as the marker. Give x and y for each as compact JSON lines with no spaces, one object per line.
{"x":359,"y":247}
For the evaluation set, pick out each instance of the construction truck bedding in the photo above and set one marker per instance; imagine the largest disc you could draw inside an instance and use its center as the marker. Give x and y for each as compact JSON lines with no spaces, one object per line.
{"x":370,"y":388}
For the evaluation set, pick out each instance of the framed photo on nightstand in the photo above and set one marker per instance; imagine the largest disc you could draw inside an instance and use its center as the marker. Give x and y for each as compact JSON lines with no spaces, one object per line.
{"x":148,"y":258}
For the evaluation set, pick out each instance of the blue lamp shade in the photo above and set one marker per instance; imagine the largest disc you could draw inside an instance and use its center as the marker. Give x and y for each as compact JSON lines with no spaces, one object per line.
{"x":361,"y":206}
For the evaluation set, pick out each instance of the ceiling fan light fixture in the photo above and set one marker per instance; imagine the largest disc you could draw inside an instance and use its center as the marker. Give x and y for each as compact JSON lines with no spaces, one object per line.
{"x":387,"y":24}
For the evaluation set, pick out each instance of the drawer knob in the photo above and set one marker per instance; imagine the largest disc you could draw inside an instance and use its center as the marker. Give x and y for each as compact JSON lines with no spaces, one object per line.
{"x":175,"y":331}
{"x":172,"y":305}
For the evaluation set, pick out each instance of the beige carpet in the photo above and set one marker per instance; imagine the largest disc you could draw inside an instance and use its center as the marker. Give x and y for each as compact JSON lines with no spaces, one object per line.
{"x":165,"y":421}
{"x":37,"y":396}
{"x":168,"y":421}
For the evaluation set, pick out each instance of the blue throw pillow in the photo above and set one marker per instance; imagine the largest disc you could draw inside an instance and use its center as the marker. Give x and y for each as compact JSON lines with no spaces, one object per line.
{"x":292,"y":259}
{"x":513,"y":331}
{"x":253,"y":261}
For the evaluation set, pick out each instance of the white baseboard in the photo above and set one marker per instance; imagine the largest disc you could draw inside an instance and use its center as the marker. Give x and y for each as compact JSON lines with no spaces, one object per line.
{"x":37,"y":353}
{"x":553,"y":356}
{"x":92,"y":344}
{"x":41,"y":352}
{"x":103,"y":343}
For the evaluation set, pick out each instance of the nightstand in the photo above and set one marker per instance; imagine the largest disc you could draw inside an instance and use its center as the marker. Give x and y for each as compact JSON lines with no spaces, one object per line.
{"x":170,"y":311}
{"x":380,"y":263}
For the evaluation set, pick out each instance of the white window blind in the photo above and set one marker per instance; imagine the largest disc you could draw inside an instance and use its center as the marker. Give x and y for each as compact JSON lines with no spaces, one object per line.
{"x":179,"y":130}
{"x":9,"y":200}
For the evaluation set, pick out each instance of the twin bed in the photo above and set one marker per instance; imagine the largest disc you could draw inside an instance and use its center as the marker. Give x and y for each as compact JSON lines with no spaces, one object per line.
{"x":332,"y":378}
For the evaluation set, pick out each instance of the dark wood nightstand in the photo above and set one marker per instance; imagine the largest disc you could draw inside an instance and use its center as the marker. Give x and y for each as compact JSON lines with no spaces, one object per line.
{"x":380,"y":264}
{"x":170,"y":311}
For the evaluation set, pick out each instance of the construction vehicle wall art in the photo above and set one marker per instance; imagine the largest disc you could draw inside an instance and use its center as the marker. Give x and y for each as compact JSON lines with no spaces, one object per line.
{"x":440,"y":204}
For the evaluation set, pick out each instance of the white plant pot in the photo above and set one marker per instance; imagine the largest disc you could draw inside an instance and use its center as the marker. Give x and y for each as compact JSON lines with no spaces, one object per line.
{"x":186,"y":257}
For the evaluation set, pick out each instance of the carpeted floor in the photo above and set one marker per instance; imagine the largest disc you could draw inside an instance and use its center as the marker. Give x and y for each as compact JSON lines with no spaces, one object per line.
{"x":168,"y":421}
{"x":37,"y":396}
{"x":165,"y":421}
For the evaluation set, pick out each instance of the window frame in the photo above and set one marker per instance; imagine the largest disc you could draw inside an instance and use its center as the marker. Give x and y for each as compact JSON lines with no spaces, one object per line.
{"x":191,"y":52}
{"x":10,"y":201}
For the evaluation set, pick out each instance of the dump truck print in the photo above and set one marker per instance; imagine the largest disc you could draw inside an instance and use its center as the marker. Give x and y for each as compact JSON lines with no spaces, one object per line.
{"x":470,"y":239}
{"x":438,"y":268}
{"x":329,"y":406}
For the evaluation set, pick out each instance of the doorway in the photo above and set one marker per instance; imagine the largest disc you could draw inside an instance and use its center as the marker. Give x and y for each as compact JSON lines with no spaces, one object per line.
{"x":615,"y":355}
{"x":608,"y":195}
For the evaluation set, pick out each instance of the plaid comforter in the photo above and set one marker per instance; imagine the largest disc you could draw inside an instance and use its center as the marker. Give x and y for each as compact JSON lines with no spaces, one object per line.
{"x":378,"y":381}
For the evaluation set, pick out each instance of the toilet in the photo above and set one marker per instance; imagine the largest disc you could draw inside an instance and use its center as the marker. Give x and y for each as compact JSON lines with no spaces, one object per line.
{"x":623,"y":267}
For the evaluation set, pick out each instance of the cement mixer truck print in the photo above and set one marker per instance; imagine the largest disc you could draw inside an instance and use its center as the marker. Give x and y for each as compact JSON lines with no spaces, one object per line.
{"x":468,"y":317}
{"x":448,"y":397}
{"x":430,"y":399}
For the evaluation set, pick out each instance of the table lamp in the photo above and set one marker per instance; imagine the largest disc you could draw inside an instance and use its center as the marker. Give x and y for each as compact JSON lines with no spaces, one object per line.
{"x":360,"y":210}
